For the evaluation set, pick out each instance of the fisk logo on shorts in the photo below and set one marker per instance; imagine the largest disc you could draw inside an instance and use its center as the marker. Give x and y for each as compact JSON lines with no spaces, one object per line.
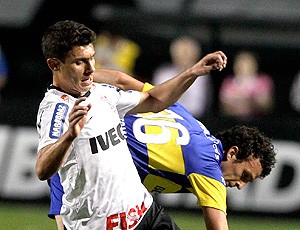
{"x":125,"y":220}
{"x":58,"y":120}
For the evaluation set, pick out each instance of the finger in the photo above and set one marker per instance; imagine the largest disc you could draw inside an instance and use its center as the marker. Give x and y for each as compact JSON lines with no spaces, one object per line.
{"x":221,"y":60}
{"x":81,"y":105}
{"x":76,"y":120}
{"x":76,"y":114}
{"x":78,"y":101}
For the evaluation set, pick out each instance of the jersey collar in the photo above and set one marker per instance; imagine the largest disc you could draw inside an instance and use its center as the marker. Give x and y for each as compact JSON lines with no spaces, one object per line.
{"x":73,"y":95}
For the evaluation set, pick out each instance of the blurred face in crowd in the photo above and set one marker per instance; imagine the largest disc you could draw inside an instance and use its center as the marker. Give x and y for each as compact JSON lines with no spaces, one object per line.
{"x":245,"y":65}
{"x":185,"y":52}
{"x":75,"y":74}
{"x":236,"y":172}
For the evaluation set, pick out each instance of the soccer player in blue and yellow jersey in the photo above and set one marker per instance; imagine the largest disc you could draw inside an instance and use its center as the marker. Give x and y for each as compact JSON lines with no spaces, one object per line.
{"x":175,"y":153}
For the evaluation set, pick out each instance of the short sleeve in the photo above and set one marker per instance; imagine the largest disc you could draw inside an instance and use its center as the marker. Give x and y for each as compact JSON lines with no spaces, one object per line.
{"x":51,"y":123}
{"x":127,"y":101}
{"x":210,"y":192}
{"x":147,"y":87}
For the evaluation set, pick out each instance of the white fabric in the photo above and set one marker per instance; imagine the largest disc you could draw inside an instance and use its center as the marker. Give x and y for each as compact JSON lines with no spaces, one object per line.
{"x":102,"y":189}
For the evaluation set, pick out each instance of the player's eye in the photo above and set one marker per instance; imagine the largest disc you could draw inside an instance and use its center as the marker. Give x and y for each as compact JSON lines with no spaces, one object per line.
{"x":246,"y":177}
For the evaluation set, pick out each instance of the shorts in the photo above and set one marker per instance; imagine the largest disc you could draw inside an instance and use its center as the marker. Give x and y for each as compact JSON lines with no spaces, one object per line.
{"x":157,"y":219}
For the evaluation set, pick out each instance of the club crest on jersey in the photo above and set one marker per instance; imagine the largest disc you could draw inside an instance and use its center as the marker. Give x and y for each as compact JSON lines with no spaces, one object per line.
{"x":58,"y":120}
{"x":65,"y":97}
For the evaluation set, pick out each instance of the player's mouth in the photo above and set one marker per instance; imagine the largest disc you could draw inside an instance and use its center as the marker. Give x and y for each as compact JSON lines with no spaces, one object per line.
{"x":87,"y":82}
{"x":228,"y":184}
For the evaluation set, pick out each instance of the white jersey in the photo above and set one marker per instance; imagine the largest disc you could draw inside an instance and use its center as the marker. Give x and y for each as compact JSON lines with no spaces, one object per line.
{"x":101,"y":184}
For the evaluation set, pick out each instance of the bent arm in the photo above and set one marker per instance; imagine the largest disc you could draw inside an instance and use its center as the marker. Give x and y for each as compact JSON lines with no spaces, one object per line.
{"x":51,"y":157}
{"x":118,"y":79}
{"x":167,"y":93}
{"x":215,"y":219}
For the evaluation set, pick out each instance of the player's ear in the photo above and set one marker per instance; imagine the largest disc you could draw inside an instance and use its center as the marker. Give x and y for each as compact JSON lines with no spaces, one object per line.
{"x":53,"y":64}
{"x":232,"y":153}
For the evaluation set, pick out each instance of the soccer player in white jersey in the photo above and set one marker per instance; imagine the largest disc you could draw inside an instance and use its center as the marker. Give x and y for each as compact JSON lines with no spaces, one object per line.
{"x":80,"y":134}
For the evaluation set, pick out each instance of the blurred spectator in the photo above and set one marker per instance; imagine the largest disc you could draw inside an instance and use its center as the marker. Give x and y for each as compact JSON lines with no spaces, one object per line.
{"x":247,"y":94}
{"x":116,"y":52}
{"x":185,"y":52}
{"x":295,"y":93}
{"x":3,"y":70}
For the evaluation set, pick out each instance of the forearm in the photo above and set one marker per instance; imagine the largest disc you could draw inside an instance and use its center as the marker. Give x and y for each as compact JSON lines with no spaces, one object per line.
{"x":51,"y":157}
{"x":214,"y":219}
{"x":167,"y":93}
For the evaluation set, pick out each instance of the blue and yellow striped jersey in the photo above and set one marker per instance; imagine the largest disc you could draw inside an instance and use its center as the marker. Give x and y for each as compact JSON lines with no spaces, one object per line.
{"x":174,"y":152}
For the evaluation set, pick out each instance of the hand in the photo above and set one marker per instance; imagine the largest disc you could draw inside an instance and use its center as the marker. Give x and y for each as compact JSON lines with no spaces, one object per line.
{"x":77,"y":117}
{"x":212,"y":61}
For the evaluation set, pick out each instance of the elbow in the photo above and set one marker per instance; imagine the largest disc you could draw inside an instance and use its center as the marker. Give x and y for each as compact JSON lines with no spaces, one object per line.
{"x":41,"y":176}
{"x":120,"y":80}
{"x":41,"y":173}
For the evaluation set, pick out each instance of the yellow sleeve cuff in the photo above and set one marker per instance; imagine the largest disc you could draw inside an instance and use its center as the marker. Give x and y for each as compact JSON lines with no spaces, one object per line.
{"x":210,"y":192}
{"x":147,"y":86}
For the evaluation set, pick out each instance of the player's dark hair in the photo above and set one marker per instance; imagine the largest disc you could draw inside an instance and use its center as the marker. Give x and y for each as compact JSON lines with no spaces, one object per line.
{"x":250,"y":142}
{"x":61,"y":37}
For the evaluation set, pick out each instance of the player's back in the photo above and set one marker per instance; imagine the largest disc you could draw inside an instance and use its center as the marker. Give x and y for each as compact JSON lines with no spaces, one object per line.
{"x":169,"y":146}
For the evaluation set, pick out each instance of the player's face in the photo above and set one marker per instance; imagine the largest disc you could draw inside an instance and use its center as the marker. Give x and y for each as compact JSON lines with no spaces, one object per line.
{"x":76,"y":73}
{"x":238,"y":173}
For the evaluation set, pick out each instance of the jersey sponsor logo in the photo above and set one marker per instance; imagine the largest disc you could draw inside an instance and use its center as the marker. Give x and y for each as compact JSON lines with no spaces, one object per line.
{"x":161,"y":185}
{"x":58,"y":120}
{"x":126,"y":220}
{"x":158,"y":189}
{"x":111,"y":137}
{"x":216,"y":150}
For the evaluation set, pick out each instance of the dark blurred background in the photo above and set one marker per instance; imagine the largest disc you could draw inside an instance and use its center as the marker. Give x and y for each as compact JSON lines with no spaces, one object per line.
{"x":271,"y":30}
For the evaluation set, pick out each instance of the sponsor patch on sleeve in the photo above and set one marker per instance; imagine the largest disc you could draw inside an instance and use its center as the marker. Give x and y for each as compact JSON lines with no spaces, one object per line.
{"x":58,"y":120}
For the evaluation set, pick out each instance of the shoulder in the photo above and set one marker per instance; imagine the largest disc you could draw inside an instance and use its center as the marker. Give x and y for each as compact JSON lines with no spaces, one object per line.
{"x":265,"y":80}
{"x":55,"y":100}
{"x":104,"y":89}
{"x":103,"y":86}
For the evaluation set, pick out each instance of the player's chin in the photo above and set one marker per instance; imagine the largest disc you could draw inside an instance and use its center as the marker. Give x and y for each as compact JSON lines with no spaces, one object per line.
{"x":86,"y":86}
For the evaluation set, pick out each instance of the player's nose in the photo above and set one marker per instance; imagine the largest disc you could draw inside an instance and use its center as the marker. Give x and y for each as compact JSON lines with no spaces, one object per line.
{"x":240,"y":185}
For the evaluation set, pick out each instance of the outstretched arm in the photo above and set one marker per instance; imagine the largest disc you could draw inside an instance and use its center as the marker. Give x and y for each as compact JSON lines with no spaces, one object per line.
{"x":118,"y":79}
{"x":167,"y":93}
{"x":215,"y":219}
